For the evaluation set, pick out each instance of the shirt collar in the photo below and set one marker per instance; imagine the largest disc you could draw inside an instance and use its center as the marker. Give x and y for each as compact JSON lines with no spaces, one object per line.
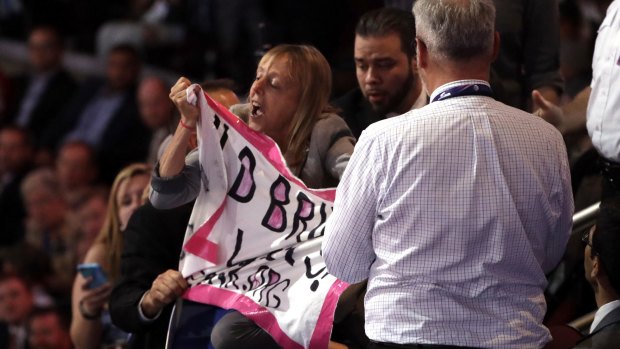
{"x":603,"y":311}
{"x":453,"y":84}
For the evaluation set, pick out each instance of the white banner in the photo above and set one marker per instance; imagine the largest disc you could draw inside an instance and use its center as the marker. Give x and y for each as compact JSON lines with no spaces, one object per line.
{"x":254,"y":239}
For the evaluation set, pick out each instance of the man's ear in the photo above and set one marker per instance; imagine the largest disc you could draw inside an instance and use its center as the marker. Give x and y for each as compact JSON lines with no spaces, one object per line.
{"x":422,"y":54}
{"x":414,"y":64}
{"x":597,"y":270}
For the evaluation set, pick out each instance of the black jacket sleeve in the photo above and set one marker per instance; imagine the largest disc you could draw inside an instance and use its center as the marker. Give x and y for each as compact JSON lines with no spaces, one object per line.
{"x":151,"y":245}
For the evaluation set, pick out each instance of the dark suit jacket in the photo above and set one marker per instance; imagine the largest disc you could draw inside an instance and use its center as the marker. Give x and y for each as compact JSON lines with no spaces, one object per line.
{"x":13,"y":212}
{"x":355,"y":109}
{"x":46,"y":113}
{"x":152,"y":245}
{"x":606,"y":335}
{"x":4,"y":337}
{"x":125,"y":139}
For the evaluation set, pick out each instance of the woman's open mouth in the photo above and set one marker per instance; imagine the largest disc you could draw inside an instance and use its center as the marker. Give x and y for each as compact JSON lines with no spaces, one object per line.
{"x":256,"y":110}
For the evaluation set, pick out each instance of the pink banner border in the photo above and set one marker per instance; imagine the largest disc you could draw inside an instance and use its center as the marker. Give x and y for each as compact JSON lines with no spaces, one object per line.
{"x":265,"y":319}
{"x":267,"y":147}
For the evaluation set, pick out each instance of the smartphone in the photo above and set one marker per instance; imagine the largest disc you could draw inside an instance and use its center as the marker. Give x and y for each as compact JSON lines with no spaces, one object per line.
{"x":95,"y":271}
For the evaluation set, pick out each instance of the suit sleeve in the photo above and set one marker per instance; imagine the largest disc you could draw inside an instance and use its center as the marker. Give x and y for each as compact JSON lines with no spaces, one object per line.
{"x":145,"y":255}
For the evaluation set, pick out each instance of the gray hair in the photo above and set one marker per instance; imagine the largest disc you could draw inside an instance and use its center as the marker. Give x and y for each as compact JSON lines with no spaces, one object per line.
{"x":42,"y":179}
{"x":456,"y":30}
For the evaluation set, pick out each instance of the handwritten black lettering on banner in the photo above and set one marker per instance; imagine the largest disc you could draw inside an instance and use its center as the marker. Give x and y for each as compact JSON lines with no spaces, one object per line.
{"x":244,"y":186}
{"x":275,"y":218}
{"x":217,"y":122}
{"x":304,"y":213}
{"x":291,"y":214}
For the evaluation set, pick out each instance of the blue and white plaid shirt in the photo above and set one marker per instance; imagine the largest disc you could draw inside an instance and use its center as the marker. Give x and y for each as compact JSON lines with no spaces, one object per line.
{"x":454,"y":212}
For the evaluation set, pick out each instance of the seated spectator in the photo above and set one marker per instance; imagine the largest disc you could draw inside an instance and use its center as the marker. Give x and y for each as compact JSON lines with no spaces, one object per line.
{"x":48,"y":328}
{"x":34,"y":266}
{"x":16,"y":303}
{"x":104,"y":114}
{"x":575,"y":49}
{"x":221,"y":90}
{"x":91,"y":215}
{"x":5,"y":96}
{"x":16,"y":157}
{"x":602,"y":266}
{"x":91,"y":326}
{"x":45,"y":89}
{"x":49,"y":225}
{"x":156,"y":112}
{"x":386,"y":69}
{"x":76,"y":170}
{"x":148,"y":24}
{"x":529,"y":50}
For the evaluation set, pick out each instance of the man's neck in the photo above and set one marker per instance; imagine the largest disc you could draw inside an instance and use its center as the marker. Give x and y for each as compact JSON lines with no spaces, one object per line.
{"x":412,"y":101}
{"x":604,"y":295}
{"x":439,"y":73}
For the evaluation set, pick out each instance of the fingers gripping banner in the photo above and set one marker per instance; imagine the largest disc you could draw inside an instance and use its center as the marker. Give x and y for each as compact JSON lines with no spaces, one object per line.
{"x":253,"y":243}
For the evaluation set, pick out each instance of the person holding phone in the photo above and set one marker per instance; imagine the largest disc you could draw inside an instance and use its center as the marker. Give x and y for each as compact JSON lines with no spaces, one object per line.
{"x":91,"y":326}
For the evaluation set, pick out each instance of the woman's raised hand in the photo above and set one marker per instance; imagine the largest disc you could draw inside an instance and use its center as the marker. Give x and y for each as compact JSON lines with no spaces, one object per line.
{"x":178,"y":95}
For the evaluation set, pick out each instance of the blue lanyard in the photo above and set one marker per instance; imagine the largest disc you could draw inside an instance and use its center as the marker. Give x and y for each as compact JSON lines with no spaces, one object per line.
{"x":464,"y":90}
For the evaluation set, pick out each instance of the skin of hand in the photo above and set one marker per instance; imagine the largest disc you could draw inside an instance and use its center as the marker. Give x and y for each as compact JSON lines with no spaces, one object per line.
{"x":166,"y":288}
{"x":178,"y":95}
{"x":173,"y":159}
{"x":547,"y":110}
{"x":570,"y":118}
{"x":95,"y":299}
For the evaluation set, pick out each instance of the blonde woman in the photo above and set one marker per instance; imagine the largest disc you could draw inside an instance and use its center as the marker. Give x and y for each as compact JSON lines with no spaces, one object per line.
{"x":288,"y":103}
{"x":90,"y":325}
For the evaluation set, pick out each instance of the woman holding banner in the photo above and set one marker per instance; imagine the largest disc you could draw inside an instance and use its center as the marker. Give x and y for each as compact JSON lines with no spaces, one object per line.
{"x":288,"y":103}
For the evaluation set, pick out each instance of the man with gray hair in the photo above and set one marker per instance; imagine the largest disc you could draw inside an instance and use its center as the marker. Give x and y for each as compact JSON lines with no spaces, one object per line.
{"x":469,"y":208}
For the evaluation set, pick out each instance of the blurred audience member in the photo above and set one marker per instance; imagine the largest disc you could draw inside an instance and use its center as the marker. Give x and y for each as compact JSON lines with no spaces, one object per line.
{"x":575,"y":49}
{"x":76,"y":170}
{"x":5,"y":96}
{"x":33,"y":265}
{"x":91,"y":215}
{"x":91,"y":326}
{"x":386,"y":70}
{"x":239,"y":29}
{"x":221,"y":90}
{"x":602,"y":266}
{"x":16,"y":156}
{"x":528,"y":57}
{"x":596,"y":107}
{"x":48,"y":328}
{"x":49,"y":226}
{"x":156,"y":111}
{"x":147,"y":24}
{"x":42,"y":93}
{"x":105,"y":114}
{"x":16,"y":303}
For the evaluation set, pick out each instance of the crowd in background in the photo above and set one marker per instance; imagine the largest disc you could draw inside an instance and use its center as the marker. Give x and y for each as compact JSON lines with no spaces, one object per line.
{"x":64,"y":197}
